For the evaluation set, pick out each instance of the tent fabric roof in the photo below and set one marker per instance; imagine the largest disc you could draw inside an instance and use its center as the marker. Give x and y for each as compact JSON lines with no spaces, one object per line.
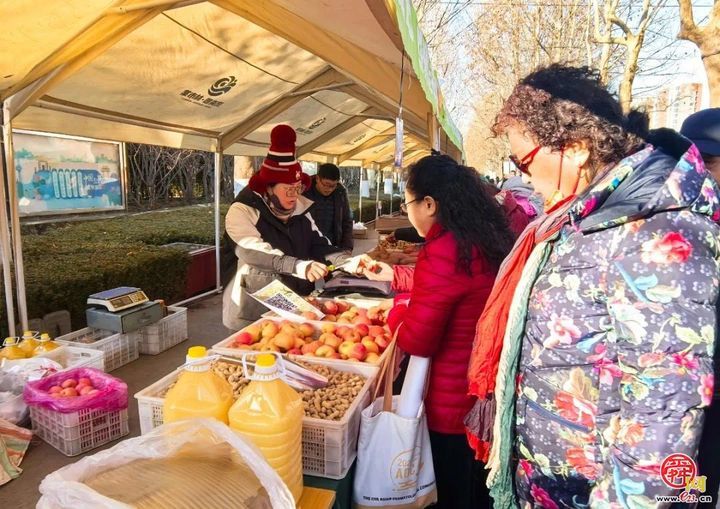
{"x":211,"y":75}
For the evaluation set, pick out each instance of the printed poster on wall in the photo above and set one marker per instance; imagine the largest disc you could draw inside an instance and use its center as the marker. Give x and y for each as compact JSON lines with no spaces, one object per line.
{"x":59,"y":174}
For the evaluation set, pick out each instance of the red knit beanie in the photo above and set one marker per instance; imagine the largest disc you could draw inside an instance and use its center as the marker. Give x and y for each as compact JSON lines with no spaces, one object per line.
{"x":280,"y":165}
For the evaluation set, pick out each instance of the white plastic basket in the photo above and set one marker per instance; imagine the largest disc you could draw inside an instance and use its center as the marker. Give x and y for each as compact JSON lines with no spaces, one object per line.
{"x":119,"y":349}
{"x":70,"y":357}
{"x":78,"y":432}
{"x":329,"y":447}
{"x":163,"y":335}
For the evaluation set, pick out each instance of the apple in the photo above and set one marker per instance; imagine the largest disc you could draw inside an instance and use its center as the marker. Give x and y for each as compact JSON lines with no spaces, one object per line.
{"x":382,"y":342}
{"x":86,"y":390}
{"x":70,"y":382}
{"x":270,"y":330}
{"x":295,"y":351}
{"x":330,"y":318}
{"x":284,"y":341}
{"x":306,"y":330}
{"x":361,"y":320}
{"x":325,"y":351}
{"x":376,"y":330}
{"x":372,"y":358}
{"x":363,"y":329}
{"x":55,"y":389}
{"x":330,"y":307}
{"x":69,"y":391}
{"x":56,"y":395}
{"x":93,"y":392}
{"x":353,"y":336}
{"x":310,"y":348}
{"x":342,"y":331}
{"x":345,"y":348}
{"x":332,"y":340}
{"x":347,"y":315}
{"x":328,"y":327}
{"x":358,"y":352}
{"x":288,"y":329}
{"x":84,"y":381}
{"x":370,"y":345}
{"x":344,"y":321}
{"x":308,"y":315}
{"x":254,"y":332}
{"x":342,"y":306}
{"x":244,"y":338}
{"x":299,"y":342}
{"x":335,"y":355}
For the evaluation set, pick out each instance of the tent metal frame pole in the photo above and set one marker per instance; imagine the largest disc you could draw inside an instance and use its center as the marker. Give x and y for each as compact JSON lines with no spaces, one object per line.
{"x":14,"y":217}
{"x":360,"y":193}
{"x":218,"y":179}
{"x":6,"y":252}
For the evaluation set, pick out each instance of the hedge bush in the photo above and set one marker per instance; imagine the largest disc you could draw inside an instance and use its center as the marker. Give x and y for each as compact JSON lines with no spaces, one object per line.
{"x":67,"y":263}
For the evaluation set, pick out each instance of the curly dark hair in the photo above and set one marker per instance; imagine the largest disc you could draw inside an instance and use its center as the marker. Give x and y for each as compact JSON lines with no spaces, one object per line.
{"x":559,"y":104}
{"x":466,"y":208}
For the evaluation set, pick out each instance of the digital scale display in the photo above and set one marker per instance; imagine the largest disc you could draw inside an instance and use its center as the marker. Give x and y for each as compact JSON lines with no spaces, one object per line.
{"x":118,"y":299}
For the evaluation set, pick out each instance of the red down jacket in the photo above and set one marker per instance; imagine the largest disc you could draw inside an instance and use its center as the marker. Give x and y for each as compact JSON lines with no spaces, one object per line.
{"x":439,"y":322}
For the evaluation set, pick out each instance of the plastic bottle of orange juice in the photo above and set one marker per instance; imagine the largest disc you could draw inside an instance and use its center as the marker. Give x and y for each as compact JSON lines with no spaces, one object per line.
{"x":10,"y":350}
{"x":199,"y":392}
{"x":270,"y":413}
{"x":45,"y":344}
{"x":29,"y":343}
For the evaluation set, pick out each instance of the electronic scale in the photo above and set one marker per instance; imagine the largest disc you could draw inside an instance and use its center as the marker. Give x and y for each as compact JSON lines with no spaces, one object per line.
{"x":118,"y":299}
{"x":123,"y":309}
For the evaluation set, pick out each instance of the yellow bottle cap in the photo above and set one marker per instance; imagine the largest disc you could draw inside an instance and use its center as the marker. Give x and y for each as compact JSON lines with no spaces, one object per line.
{"x":28,"y":334}
{"x":197,"y":352}
{"x":45,"y":336}
{"x":9,"y":341}
{"x":265,"y":360}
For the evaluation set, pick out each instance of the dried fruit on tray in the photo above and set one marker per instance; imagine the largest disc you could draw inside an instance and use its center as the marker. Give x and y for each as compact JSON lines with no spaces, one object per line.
{"x":395,"y":252}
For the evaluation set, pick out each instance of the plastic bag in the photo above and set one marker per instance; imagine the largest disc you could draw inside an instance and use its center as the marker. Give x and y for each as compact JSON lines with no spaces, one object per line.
{"x":12,"y":406}
{"x":31,"y":369}
{"x":113,"y":393}
{"x":67,"y":489}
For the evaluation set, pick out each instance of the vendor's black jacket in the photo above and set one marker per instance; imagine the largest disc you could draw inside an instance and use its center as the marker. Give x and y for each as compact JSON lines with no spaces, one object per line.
{"x":267,"y":249}
{"x":339,"y":229}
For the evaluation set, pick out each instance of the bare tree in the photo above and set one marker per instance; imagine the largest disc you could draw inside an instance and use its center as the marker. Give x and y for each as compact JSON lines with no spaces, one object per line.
{"x":707,"y":39}
{"x":607,"y":20}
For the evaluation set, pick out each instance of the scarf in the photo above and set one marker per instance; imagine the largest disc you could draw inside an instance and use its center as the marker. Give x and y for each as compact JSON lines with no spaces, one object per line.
{"x":276,"y":208}
{"x":492,"y":326}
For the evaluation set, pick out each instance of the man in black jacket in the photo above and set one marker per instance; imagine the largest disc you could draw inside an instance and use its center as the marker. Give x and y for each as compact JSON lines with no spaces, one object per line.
{"x":331,"y":209}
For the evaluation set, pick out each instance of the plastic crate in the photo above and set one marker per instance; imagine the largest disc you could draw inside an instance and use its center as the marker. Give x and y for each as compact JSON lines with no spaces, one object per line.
{"x":119,"y":349}
{"x":163,"y":335}
{"x":78,"y":432}
{"x":70,"y":357}
{"x":329,"y":447}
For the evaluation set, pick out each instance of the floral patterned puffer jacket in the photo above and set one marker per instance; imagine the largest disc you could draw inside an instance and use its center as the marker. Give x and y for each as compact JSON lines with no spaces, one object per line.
{"x":616,"y":359}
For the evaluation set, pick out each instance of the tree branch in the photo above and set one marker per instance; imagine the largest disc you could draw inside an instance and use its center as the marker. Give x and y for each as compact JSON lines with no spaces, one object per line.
{"x":688,"y":29}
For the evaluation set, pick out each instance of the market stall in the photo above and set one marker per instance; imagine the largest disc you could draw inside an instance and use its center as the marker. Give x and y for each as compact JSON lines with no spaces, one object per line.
{"x":218,"y":76}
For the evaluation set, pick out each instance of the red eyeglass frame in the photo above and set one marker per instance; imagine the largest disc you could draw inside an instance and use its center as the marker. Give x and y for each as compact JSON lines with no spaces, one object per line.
{"x":524,"y":163}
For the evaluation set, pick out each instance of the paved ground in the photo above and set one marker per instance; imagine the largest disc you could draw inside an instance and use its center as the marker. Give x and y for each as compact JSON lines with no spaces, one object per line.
{"x":204,"y":328}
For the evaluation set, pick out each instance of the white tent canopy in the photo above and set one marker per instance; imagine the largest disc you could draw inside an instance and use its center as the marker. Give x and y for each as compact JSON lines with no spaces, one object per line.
{"x":215,"y":75}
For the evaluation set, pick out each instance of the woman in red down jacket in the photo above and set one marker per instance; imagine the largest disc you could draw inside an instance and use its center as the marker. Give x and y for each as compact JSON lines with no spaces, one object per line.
{"x":466,"y":238}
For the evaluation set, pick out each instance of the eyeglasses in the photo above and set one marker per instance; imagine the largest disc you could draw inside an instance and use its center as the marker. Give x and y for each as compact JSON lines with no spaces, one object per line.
{"x":524,"y":163}
{"x":404,"y":206}
{"x":294,"y":190}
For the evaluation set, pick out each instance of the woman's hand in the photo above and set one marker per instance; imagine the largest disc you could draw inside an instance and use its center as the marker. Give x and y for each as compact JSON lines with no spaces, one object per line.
{"x":377,"y":271}
{"x":315,"y":271}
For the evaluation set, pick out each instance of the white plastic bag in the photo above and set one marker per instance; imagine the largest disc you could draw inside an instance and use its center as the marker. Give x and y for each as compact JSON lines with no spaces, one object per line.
{"x":12,"y":406}
{"x":65,"y":489}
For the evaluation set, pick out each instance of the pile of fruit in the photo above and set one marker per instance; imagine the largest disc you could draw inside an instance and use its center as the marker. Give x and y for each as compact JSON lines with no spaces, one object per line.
{"x":72,"y":388}
{"x":342,"y":312}
{"x":396,"y":252}
{"x":360,"y":342}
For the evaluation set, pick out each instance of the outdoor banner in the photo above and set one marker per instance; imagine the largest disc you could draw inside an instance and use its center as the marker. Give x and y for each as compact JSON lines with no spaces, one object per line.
{"x":60,"y":174}
{"x":388,"y":186}
{"x":417,"y":48}
{"x":365,"y":189}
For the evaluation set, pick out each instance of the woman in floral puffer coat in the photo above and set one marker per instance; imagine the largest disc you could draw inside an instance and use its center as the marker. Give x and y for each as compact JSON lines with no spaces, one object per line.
{"x":606,"y":358}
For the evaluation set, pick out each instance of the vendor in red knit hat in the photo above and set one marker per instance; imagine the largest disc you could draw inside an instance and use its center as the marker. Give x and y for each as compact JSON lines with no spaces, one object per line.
{"x":270,"y":234}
